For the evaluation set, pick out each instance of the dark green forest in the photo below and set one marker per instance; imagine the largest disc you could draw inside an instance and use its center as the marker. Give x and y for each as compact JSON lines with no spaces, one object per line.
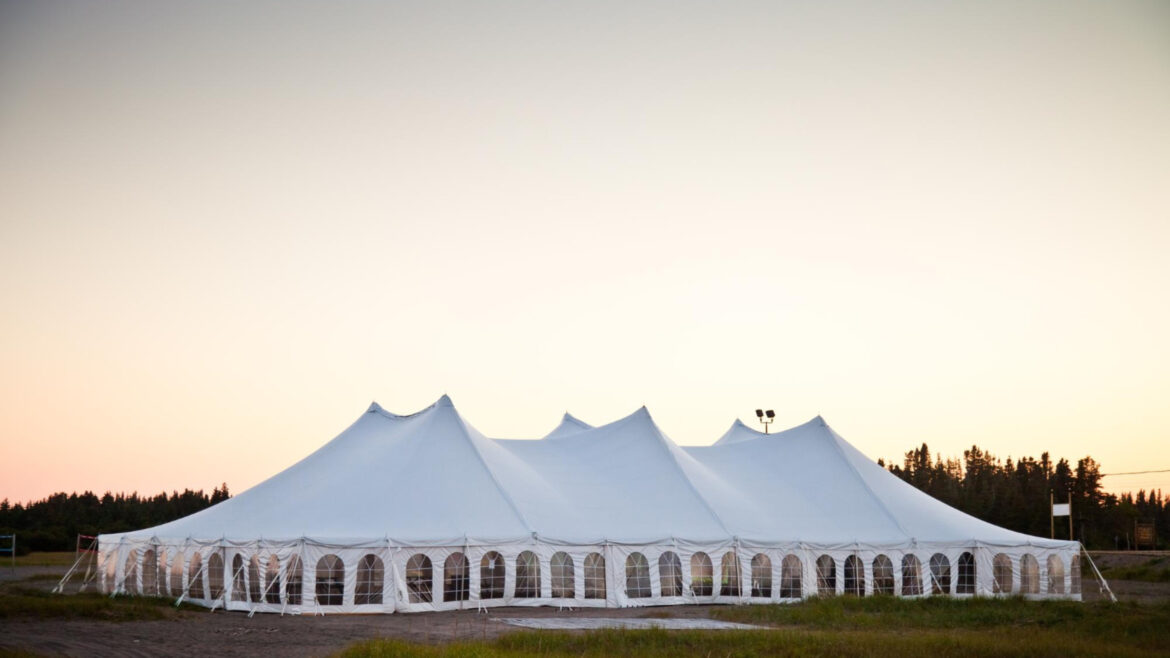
{"x":53,"y":524}
{"x":1012,"y":494}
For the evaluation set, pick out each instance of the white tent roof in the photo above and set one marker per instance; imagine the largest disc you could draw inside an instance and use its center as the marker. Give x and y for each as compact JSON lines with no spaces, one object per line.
{"x":569,"y":425}
{"x":431,"y":479}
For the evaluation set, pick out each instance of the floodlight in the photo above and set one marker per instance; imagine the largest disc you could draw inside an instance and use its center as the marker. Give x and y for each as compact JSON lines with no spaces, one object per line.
{"x":766,"y":418}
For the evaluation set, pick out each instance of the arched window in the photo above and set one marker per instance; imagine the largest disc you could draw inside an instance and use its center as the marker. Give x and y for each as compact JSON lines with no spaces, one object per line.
{"x":149,"y":573}
{"x":1055,"y":575}
{"x":177,"y":574}
{"x":371,"y":578}
{"x":761,"y":576}
{"x":254,"y":589}
{"x":163,"y":568}
{"x":702,"y":575}
{"x":562,"y":576}
{"x":294,"y":581}
{"x":215,"y":576}
{"x":637,"y":576}
{"x":854,"y":576}
{"x":330,"y":580}
{"x":195,"y":575}
{"x":239,"y":587}
{"x":130,"y":573}
{"x":420,"y":578}
{"x":826,"y":576}
{"x":109,"y":571}
{"x":730,"y":576}
{"x":670,"y":578}
{"x":911,"y":575}
{"x":883,"y":575}
{"x":940,"y":574}
{"x":1074,"y":573}
{"x":1001,"y":569}
{"x":491,"y":576}
{"x":966,"y":581}
{"x":272,"y":581}
{"x":594,"y":576}
{"x":456,"y":578}
{"x":1029,"y":575}
{"x":790,"y":577}
{"x":527,"y":576}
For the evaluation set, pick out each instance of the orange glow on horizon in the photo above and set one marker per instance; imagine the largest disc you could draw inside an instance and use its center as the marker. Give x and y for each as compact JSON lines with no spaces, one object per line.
{"x":223,"y":231}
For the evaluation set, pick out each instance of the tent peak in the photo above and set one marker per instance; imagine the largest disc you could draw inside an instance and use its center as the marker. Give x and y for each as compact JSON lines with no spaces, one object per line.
{"x":444,"y":401}
{"x":376,"y":408}
{"x":570,"y":419}
{"x":568,"y":426}
{"x":741,"y":431}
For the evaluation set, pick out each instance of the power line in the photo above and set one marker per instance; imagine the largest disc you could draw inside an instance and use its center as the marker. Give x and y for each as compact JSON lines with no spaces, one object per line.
{"x":1164,"y":470}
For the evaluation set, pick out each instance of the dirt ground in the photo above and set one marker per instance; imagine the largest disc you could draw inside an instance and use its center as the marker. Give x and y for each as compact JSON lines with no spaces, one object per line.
{"x":234,"y":634}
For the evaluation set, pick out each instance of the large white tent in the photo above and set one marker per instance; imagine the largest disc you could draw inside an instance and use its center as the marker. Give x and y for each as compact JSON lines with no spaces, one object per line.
{"x":423,"y":512}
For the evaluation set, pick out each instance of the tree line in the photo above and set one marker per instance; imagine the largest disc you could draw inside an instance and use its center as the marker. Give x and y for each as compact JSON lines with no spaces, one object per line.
{"x":52,"y":524}
{"x":1015,"y":494}
{"x":1009,"y":493}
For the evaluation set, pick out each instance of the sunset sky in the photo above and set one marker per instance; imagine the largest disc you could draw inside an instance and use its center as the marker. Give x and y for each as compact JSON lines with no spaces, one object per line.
{"x":225,"y":228}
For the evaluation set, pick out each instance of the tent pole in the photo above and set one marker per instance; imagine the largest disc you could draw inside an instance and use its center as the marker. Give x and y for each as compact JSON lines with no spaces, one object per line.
{"x":91,"y":573}
{"x":68,"y":574}
{"x":1101,"y":579}
{"x":60,"y":588}
{"x":90,"y":565}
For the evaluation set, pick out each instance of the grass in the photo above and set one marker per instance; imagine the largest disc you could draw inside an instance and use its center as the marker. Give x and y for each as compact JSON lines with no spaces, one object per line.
{"x":22,"y":602}
{"x":17,"y":653}
{"x":1153,"y":571}
{"x":61,"y":559}
{"x":879,"y":626}
{"x":41,"y":577}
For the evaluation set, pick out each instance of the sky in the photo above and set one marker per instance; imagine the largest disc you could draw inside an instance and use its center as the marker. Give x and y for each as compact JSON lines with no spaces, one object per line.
{"x":225,"y":228}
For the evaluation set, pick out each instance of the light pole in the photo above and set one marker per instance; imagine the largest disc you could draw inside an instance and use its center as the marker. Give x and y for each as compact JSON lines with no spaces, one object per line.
{"x":766,"y":417}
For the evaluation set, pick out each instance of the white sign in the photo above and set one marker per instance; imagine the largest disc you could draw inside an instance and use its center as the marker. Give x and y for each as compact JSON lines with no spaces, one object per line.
{"x":1060,"y":509}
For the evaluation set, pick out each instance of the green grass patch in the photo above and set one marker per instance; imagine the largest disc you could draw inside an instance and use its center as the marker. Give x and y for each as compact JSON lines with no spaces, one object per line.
{"x":40,"y":577}
{"x":848,"y":626}
{"x":778,"y":642}
{"x":1149,"y":572}
{"x":18,"y":653}
{"x":1139,"y":626}
{"x":61,"y":559}
{"x":18,"y":601}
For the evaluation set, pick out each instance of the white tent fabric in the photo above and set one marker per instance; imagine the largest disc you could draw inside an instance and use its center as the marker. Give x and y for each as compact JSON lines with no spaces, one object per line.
{"x":423,"y":512}
{"x":569,"y":425}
